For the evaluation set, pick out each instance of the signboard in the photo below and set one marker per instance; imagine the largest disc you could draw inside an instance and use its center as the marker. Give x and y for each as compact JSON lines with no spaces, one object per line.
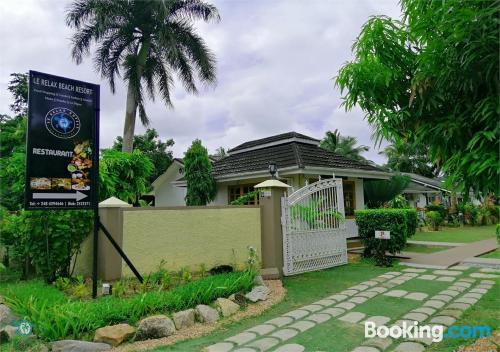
{"x":383,"y":235}
{"x":62,"y":140}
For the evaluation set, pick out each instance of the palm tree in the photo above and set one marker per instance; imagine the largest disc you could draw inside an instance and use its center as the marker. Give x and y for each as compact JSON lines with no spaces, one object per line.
{"x":345,"y":146}
{"x":404,"y":157}
{"x":150,"y":41}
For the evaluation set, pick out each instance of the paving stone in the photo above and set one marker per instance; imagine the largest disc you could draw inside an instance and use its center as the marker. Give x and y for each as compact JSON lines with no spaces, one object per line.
{"x":333,"y":312}
{"x":434,"y":304}
{"x":325,"y":302}
{"x":455,"y":313}
{"x":489,"y":282}
{"x":242,"y":338}
{"x":479,"y":290}
{"x":349,"y":292}
{"x":457,"y":288}
{"x":416,"y":316}
{"x":365,"y":349}
{"x":409,"y":347}
{"x":460,"y":306}
{"x":291,"y":347}
{"x":297,"y":314}
{"x":489,"y":270}
{"x":312,"y":307}
{"x":444,"y":298}
{"x":396,"y":293}
{"x":265,"y":344}
{"x":244,"y":349}
{"x":467,"y":280}
{"x":446,"y":272}
{"x":463,"y":284}
{"x":417,"y":296}
{"x":395,"y":273}
{"x":483,"y":286}
{"x":425,"y":310}
{"x":423,"y":340}
{"x":408,"y":275}
{"x":219,"y":347}
{"x":387,"y":277}
{"x":302,"y":325}
{"x":483,"y":276}
{"x":367,"y":294}
{"x":346,"y":305}
{"x":380,"y":343}
{"x":378,"y":320}
{"x":388,"y":284}
{"x":358,"y":300}
{"x":459,"y":267}
{"x":470,"y":301}
{"x":443,"y":319}
{"x":262,"y":329}
{"x":452,"y":293}
{"x":398,"y":281}
{"x":285,"y":334}
{"x":352,"y":317}
{"x":370,"y":283}
{"x":377,"y":289}
{"x":337,"y":297}
{"x":406,"y":322}
{"x":445,"y":278}
{"x":427,"y":277}
{"x":414,"y":270}
{"x":360,"y":287}
{"x":319,"y":317}
{"x":473,"y":295}
{"x":280,"y":321}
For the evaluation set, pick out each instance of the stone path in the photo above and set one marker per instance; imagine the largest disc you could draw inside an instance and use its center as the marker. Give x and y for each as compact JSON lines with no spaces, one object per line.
{"x":437,"y":244}
{"x":445,"y":259}
{"x":463,"y":288}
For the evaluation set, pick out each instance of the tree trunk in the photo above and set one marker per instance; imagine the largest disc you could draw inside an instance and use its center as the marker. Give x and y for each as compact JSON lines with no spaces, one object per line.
{"x":129,"y":127}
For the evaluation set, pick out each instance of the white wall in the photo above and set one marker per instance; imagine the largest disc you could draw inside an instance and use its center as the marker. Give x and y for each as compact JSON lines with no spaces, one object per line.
{"x":167,"y":194}
{"x":222,"y":197}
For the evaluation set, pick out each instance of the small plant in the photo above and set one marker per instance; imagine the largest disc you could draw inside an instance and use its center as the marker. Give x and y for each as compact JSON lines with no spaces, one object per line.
{"x":203,"y":270}
{"x":434,"y":218}
{"x":119,"y":289}
{"x":398,"y":202}
{"x":185,"y":274}
{"x":246,"y":198}
{"x":80,"y":289}
{"x":62,"y":284}
{"x":253,"y":260}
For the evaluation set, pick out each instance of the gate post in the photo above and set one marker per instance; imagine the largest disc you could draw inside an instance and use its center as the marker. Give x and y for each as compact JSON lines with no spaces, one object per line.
{"x":271,"y":192}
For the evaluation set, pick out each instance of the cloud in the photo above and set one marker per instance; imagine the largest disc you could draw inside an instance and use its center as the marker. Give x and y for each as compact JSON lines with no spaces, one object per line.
{"x":276,"y":63}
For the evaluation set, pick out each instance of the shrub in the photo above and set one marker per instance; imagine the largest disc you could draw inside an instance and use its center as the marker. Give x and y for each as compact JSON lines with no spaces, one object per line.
{"x":487,"y":214}
{"x":378,"y":192}
{"x":402,"y":224}
{"x":399,"y":202}
{"x":469,"y":212}
{"x":434,"y":218}
{"x":439,"y":208}
{"x":54,"y":317}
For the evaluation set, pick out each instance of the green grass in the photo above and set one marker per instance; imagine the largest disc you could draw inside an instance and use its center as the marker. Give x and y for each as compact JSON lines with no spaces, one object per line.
{"x":387,"y":306}
{"x":420,"y":248}
{"x":464,"y":234}
{"x":495,"y":254}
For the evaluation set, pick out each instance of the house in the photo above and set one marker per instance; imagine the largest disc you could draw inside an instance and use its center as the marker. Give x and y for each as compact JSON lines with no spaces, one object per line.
{"x":299,"y":159}
{"x":422,"y":191}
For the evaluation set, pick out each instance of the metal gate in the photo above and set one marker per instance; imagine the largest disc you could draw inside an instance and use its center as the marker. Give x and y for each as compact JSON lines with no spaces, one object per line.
{"x":314,"y":235}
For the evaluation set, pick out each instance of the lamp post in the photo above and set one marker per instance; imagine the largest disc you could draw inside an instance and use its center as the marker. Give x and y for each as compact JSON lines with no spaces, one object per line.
{"x":273,"y":168}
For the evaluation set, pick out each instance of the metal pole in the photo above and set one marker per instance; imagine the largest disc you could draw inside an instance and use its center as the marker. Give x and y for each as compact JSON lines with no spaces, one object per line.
{"x":95,"y":184}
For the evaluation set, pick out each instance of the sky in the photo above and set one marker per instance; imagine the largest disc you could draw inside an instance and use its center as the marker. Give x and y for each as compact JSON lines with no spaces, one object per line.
{"x":276,"y":63}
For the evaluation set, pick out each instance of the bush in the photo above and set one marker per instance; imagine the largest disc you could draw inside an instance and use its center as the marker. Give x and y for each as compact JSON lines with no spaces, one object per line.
{"x":487,"y":214}
{"x":402,"y":224}
{"x":55,"y":318}
{"x":399,"y":202}
{"x":469,"y":212}
{"x":439,"y":208}
{"x":434,"y":218}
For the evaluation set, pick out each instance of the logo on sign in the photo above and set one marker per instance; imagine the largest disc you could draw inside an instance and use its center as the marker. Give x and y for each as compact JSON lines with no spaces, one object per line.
{"x":383,"y":235}
{"x":62,"y":123}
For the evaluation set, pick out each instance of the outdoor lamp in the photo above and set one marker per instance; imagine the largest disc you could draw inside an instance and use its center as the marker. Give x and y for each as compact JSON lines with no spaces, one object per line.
{"x":273,"y":168}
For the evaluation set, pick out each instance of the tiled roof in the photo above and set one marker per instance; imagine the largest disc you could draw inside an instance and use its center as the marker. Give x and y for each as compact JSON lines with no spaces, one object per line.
{"x":285,"y":155}
{"x":272,"y":139}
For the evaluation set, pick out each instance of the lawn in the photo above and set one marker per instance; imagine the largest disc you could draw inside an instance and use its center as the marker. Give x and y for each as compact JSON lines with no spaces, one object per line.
{"x":464,"y":234}
{"x":493,"y":255}
{"x":420,"y":248}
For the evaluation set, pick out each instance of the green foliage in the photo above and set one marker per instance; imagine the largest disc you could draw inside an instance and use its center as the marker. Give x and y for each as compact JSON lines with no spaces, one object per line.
{"x":469,"y":212}
{"x":401,"y":223}
{"x":497,"y":230}
{"x":55,"y":319}
{"x":124,"y":175}
{"x":378,"y":192}
{"x":441,"y":209}
{"x":313,"y":213}
{"x":152,"y":147}
{"x":399,"y":202}
{"x":246,"y":198}
{"x":201,"y":188}
{"x":404,"y":157}
{"x":46,"y":240}
{"x":433,"y":79}
{"x":487,"y":214}
{"x":18,"y":87}
{"x":345,"y":146}
{"x":434,"y":218}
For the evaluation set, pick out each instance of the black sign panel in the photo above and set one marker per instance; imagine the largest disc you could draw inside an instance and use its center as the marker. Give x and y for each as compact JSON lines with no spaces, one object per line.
{"x":61,"y":160}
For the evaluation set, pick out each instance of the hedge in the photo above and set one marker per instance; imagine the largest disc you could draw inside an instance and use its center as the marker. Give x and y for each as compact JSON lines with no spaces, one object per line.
{"x":75,"y":319}
{"x":402,"y":223}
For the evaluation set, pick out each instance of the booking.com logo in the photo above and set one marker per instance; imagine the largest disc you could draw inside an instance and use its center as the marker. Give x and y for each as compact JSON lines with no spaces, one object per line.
{"x":434,"y":332}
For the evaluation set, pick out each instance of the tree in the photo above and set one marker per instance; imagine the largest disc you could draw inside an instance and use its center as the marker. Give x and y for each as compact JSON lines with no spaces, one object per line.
{"x":18,"y":87}
{"x":219,"y":153}
{"x":378,"y":192}
{"x":152,"y":147}
{"x":149,"y":41}
{"x":404,"y":157}
{"x":345,"y":146}
{"x":201,"y":188}
{"x":433,"y":79}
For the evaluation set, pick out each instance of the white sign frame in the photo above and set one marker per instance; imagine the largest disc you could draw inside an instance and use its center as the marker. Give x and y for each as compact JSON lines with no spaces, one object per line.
{"x":383,"y":235}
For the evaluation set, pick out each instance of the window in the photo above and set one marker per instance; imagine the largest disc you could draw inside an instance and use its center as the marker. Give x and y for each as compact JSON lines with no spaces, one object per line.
{"x":234,"y":192}
{"x":349,"y":198}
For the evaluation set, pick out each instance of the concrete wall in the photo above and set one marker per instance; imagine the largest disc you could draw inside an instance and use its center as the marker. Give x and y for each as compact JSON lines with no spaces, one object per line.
{"x":189,"y":236}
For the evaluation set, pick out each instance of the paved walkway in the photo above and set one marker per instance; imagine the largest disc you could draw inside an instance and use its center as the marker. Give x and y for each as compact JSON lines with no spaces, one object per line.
{"x":463,"y":287}
{"x":445,"y":259}
{"x":437,"y":244}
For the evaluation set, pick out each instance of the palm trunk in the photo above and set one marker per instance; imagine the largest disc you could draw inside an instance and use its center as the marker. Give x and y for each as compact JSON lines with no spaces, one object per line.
{"x":129,"y":127}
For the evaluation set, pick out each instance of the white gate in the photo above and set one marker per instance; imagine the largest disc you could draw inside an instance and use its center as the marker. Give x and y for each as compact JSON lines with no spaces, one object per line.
{"x":314,"y":235}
